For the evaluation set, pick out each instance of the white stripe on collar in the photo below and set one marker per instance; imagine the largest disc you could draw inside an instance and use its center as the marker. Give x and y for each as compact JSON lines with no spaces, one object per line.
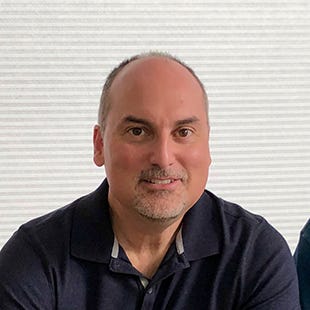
{"x":115,"y":248}
{"x":179,"y":242}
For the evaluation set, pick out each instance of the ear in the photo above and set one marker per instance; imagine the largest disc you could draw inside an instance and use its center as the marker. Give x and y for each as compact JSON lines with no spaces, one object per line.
{"x":98,"y":146}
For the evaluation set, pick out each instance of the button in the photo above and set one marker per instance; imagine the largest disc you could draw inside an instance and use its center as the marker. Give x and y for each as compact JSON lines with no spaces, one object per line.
{"x":150,"y":291}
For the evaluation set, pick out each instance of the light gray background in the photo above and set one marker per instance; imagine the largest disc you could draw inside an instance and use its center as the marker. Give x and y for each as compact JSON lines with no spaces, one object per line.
{"x":253,"y":57}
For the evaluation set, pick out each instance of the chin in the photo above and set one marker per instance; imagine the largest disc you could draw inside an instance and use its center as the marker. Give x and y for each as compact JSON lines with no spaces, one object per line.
{"x":163,"y":215}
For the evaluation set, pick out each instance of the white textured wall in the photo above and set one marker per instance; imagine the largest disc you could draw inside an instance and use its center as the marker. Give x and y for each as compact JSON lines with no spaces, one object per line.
{"x":253,"y":56}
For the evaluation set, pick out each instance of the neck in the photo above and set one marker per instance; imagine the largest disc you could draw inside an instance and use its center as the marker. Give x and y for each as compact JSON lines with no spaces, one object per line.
{"x":145,"y":242}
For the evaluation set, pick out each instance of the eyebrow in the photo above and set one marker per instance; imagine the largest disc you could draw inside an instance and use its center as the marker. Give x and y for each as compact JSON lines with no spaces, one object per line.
{"x":186,"y":121}
{"x":133,"y":119}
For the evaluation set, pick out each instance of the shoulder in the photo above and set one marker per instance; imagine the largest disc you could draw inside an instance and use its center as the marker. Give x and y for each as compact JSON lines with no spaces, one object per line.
{"x":27,"y":260}
{"x":55,"y":227}
{"x":247,"y":236}
{"x":215,"y":225}
{"x":305,"y":232}
{"x":260,"y":253}
{"x":237,"y":222}
{"x":302,"y":258}
{"x":49,"y":228}
{"x":234,"y":212}
{"x":49,"y":235}
{"x":302,"y":252}
{"x":43,"y":239}
{"x":38,"y":255}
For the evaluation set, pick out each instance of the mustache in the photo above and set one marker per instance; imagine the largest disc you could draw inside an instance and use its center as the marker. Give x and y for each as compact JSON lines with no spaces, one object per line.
{"x":156,"y":172}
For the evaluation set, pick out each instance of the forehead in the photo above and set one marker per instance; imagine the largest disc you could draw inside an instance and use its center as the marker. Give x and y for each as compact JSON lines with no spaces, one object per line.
{"x":156,"y":68}
{"x":155,"y":83}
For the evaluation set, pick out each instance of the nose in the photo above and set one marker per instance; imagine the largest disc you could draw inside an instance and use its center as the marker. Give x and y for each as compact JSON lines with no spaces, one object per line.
{"x":163,"y":152}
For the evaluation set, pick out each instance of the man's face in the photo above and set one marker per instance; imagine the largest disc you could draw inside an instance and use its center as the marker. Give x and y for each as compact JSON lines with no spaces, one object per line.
{"x":155,"y":145}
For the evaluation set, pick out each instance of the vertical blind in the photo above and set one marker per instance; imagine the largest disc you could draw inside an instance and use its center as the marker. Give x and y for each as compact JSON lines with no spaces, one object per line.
{"x":252,"y":56}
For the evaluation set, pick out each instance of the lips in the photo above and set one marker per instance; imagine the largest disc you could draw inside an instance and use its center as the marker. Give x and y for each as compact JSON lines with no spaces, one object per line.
{"x":156,"y":178}
{"x":160,"y":181}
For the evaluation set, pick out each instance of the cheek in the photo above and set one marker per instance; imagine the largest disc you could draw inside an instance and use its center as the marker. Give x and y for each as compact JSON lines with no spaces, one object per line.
{"x":198,"y":159}
{"x":122,"y":158}
{"x":198,"y":162}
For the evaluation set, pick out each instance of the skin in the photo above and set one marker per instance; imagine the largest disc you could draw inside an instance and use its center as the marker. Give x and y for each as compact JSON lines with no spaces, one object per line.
{"x":155,"y":149}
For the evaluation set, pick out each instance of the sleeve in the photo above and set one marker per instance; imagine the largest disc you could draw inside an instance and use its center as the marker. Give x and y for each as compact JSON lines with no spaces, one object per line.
{"x":24,"y":280}
{"x":271,"y":274}
{"x":302,"y":259}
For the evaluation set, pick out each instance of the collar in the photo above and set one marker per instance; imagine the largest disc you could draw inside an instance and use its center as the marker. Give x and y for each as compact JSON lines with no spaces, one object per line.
{"x":202,"y":228}
{"x":92,"y":237}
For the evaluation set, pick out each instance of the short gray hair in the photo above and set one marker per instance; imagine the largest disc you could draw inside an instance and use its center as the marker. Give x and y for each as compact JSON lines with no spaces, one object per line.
{"x":104,"y":100}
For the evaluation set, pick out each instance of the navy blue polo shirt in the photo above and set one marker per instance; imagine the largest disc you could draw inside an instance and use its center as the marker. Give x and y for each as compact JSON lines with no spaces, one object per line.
{"x":223,"y":258}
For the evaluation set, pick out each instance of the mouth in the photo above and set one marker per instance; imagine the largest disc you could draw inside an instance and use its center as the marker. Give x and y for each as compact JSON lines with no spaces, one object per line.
{"x":154,"y":180}
{"x":166,"y":185}
{"x":160,"y":181}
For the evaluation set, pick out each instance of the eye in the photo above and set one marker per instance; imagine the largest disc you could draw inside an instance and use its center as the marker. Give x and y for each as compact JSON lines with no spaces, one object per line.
{"x":184,"y":132}
{"x":136,"y":131}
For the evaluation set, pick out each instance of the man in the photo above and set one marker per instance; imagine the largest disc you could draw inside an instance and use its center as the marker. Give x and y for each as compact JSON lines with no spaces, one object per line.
{"x":302,"y":259}
{"x":150,"y":237}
